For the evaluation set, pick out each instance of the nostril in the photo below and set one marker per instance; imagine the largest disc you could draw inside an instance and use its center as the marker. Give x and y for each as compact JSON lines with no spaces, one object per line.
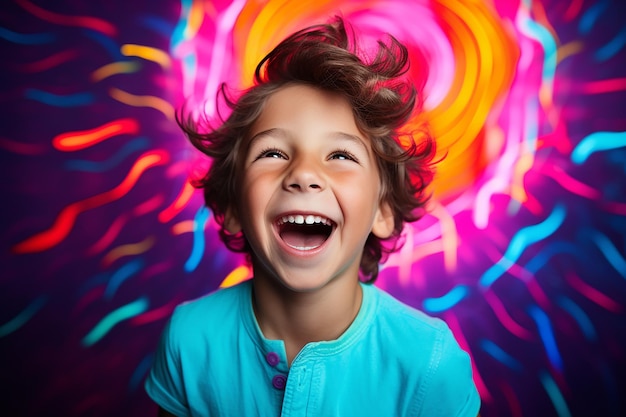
{"x":296,"y":186}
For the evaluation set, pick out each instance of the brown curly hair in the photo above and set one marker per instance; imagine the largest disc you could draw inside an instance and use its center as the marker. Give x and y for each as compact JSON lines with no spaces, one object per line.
{"x":383,"y":100}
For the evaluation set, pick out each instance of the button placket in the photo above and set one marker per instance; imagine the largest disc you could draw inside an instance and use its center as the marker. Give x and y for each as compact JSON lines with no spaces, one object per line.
{"x":272,"y":359}
{"x":279,"y":381}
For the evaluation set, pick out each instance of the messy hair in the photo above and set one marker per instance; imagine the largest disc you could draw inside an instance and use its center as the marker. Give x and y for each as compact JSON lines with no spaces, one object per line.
{"x":383,"y":100}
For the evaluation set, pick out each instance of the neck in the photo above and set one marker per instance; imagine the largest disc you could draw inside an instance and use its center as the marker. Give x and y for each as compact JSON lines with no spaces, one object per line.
{"x":298,"y":318}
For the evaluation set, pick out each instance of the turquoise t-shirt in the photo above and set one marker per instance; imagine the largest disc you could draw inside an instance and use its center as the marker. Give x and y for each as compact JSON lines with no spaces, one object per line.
{"x":393,"y":360}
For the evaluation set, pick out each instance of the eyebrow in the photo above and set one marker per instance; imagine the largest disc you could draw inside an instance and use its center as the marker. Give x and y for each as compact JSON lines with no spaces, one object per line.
{"x":351,"y":138}
{"x":276,"y":131}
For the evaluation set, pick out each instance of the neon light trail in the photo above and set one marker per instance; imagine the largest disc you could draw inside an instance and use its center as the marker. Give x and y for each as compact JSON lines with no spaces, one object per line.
{"x":523,"y":253}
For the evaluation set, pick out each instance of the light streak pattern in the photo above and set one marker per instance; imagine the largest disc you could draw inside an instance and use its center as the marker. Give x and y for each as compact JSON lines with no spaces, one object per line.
{"x":595,"y":142}
{"x":148,"y":53}
{"x":113,"y":68}
{"x":135,"y":100}
{"x":113,"y":318}
{"x":500,"y":355}
{"x":66,"y":219}
{"x":523,"y":252}
{"x":75,"y":141}
{"x":198,"y":249}
{"x":58,"y":100}
{"x":520,"y":241}
{"x":22,"y":318}
{"x":547,"y":336}
{"x":555,"y":395}
{"x":129,"y":249}
{"x":446,"y":301}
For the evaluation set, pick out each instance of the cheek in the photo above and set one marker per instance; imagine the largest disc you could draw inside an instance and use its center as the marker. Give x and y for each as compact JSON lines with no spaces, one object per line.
{"x":361,"y":200}
{"x":360,"y":185}
{"x":254,"y":200}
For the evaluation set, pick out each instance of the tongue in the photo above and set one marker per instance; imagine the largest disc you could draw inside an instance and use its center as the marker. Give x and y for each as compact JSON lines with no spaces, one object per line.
{"x":300,"y":240}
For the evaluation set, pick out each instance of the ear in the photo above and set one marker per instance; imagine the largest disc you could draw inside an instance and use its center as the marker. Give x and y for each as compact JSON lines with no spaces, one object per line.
{"x":383,"y":221}
{"x":231,"y":222}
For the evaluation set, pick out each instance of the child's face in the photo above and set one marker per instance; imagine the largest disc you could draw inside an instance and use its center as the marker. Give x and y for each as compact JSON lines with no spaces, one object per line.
{"x":310,"y":192}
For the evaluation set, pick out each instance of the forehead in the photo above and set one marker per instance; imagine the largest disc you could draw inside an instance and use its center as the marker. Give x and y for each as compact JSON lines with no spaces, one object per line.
{"x":298,"y":106}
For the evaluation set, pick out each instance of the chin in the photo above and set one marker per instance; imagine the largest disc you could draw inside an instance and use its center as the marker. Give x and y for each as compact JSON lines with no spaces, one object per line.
{"x":302,"y":285}
{"x":309,"y":280}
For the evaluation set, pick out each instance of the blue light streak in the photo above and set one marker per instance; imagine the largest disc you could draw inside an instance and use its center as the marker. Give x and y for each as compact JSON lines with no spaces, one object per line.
{"x":611,"y":49}
{"x":121,"y":275}
{"x":595,"y":142}
{"x":24,"y":316}
{"x":520,"y":241}
{"x":547,"y":336}
{"x":447,"y":301}
{"x":500,"y":355}
{"x":198,"y":240}
{"x":55,"y":100}
{"x":591,"y":16}
{"x":26,"y":38}
{"x":113,"y":318}
{"x":555,"y":394}
{"x":577,"y":313}
{"x":552,"y":249}
{"x":609,"y":251}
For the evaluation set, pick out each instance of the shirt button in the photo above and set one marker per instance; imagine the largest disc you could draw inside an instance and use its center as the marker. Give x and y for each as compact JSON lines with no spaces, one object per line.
{"x":272,"y":358}
{"x":279,"y":381}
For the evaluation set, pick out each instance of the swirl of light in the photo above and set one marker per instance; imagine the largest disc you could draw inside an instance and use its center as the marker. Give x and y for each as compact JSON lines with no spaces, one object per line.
{"x":458,"y":42}
{"x":475,"y":77}
{"x":471,"y":59}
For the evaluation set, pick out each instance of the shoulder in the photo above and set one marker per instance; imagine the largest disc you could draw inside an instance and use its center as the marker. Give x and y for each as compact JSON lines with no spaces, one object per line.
{"x":394,"y":314}
{"x":208,"y":313}
{"x":213,"y":302}
{"x":412,"y":330}
{"x":427,"y":343}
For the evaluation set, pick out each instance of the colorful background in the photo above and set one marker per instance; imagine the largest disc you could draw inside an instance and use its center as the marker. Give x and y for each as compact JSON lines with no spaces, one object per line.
{"x":523,"y":252}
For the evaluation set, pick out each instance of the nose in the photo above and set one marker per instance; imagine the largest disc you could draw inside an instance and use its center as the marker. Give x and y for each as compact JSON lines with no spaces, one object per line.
{"x":304,"y":176}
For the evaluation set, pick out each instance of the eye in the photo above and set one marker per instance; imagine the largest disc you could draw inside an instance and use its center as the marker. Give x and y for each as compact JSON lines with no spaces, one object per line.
{"x":271,"y":153}
{"x":343,"y":155}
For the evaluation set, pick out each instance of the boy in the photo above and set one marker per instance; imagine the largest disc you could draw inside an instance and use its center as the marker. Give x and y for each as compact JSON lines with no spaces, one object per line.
{"x":309,"y":178}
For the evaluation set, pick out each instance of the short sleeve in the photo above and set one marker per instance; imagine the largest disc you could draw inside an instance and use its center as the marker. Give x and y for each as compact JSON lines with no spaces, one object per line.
{"x":451,"y":390}
{"x":164,"y":383}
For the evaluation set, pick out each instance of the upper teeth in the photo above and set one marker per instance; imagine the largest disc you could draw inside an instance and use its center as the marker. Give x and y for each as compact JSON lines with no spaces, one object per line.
{"x":309,"y":219}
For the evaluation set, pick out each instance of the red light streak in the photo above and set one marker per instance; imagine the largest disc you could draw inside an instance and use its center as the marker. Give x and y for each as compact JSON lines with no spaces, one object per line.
{"x":94,"y":23}
{"x":592,"y":294}
{"x":154,"y":315}
{"x":66,"y":219}
{"x":49,"y":62}
{"x":112,"y":232}
{"x":604,"y":86}
{"x":30,"y":149}
{"x":178,"y":204}
{"x":74,"y":141}
{"x":148,"y":205}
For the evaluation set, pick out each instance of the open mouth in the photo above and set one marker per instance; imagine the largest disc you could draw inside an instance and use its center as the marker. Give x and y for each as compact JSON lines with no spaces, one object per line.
{"x":304,"y":232}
